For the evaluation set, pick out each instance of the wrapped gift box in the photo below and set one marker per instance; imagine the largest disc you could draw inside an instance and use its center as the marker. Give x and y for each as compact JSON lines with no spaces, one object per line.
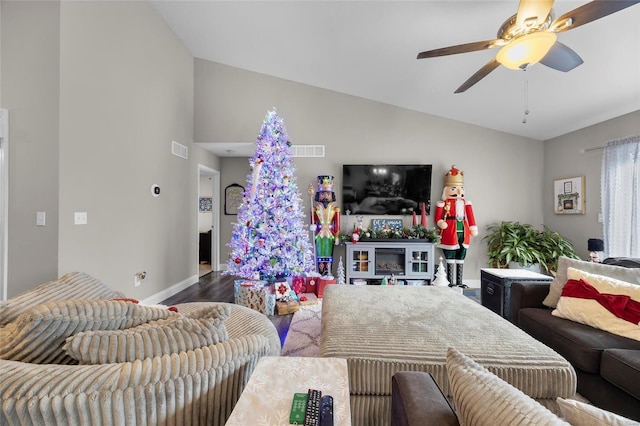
{"x":256,"y":295}
{"x":322,"y":283}
{"x":283,"y":291}
{"x":245,"y":283}
{"x":309,"y":299}
{"x":285,"y":307}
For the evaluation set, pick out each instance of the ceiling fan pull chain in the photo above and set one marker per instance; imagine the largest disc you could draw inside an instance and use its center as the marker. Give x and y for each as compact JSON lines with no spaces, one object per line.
{"x":526,"y":101}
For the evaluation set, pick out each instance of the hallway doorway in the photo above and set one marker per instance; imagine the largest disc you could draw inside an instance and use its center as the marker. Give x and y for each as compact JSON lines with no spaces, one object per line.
{"x":208,"y":220}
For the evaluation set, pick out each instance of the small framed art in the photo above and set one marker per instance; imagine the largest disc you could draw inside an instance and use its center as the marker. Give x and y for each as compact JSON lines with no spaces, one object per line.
{"x":233,"y":198}
{"x":381,"y":224}
{"x":205,"y":204}
{"x":568,"y":195}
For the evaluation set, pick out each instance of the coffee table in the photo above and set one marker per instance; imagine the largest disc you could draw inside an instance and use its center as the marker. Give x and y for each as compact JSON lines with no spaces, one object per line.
{"x":268,"y":395}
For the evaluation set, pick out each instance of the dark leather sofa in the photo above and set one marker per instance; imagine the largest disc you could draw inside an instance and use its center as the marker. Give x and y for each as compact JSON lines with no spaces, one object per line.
{"x":607,"y":365}
{"x":416,"y":400}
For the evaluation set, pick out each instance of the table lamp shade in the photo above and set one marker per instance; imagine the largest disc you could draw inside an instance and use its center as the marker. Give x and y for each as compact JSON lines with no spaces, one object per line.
{"x":595,"y":244}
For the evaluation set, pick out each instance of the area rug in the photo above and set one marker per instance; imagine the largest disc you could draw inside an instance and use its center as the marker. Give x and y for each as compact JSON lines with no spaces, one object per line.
{"x":303,"y":337}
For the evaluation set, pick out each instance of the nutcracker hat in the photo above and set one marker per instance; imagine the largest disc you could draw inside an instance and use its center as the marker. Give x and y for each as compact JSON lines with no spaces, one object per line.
{"x":325,"y":183}
{"x":454,"y":177}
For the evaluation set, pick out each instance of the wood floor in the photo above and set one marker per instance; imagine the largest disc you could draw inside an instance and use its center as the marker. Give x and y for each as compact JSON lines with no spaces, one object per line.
{"x":215,"y":287}
{"x":204,"y":268}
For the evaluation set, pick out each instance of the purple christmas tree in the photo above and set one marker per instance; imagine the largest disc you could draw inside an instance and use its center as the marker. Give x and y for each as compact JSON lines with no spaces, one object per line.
{"x":270,"y":238}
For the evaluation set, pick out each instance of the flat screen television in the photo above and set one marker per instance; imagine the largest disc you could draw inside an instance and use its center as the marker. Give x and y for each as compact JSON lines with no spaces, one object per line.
{"x":386,"y":189}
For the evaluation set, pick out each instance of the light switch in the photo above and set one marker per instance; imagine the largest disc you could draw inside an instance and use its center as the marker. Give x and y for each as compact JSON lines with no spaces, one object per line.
{"x":41,"y":218}
{"x":80,"y":218}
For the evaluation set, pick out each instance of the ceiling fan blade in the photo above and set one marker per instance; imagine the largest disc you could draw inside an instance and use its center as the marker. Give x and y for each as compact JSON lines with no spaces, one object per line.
{"x":479,"y":75}
{"x":532,"y":13}
{"x":589,"y":12}
{"x":461,"y":48}
{"x":561,"y":57}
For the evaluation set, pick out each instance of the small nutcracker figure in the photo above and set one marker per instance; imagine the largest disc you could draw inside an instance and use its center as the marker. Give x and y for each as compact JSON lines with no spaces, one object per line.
{"x":325,"y":218}
{"x":456,"y":221}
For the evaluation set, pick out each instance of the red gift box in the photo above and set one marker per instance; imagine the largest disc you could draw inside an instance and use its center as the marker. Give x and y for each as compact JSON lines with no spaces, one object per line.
{"x":322,"y":283}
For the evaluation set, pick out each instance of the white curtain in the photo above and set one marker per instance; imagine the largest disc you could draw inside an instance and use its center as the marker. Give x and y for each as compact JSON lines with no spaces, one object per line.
{"x":620,"y":199}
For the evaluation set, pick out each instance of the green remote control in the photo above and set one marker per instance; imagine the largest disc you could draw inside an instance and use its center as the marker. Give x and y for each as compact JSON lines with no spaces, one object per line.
{"x":298,"y":407}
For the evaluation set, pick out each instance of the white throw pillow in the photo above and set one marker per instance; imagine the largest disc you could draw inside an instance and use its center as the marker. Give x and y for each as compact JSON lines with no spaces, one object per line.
{"x":630,"y":275}
{"x":580,"y":414}
{"x":483,"y":399}
{"x":591,"y":312}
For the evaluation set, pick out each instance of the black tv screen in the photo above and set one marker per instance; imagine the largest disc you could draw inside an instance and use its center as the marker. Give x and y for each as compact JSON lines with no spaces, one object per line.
{"x":385,"y":189}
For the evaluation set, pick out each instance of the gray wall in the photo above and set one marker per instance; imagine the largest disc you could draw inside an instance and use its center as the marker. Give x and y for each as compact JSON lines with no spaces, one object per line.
{"x":230,"y":105}
{"x":232,"y":170}
{"x":30,"y":37}
{"x":105,"y":86}
{"x":0,"y":52}
{"x":563,"y":158}
{"x":97,"y":90}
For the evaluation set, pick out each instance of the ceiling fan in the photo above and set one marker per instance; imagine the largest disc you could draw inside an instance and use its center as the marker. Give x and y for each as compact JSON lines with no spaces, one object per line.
{"x":529,"y":37}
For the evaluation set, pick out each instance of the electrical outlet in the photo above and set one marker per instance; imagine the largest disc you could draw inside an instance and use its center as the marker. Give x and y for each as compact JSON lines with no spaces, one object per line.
{"x":80,"y":218}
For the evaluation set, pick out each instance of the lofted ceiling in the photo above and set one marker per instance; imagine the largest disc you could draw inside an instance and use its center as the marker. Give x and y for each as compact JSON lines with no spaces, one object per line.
{"x":368,"y":49}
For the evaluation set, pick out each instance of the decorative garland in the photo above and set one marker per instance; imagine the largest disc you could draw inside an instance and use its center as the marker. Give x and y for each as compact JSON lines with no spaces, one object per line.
{"x":415,"y":232}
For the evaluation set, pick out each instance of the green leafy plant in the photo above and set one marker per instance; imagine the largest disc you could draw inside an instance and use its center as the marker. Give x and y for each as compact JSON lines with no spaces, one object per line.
{"x":522,"y":243}
{"x":552,"y":245}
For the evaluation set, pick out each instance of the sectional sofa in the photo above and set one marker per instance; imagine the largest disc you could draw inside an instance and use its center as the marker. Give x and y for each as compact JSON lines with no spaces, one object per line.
{"x":607,"y":364}
{"x":381,"y":330}
{"x":74,"y":352}
{"x":480,"y":398}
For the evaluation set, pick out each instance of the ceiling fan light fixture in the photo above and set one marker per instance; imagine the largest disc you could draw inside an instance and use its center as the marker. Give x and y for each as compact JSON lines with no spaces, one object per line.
{"x":526,"y":50}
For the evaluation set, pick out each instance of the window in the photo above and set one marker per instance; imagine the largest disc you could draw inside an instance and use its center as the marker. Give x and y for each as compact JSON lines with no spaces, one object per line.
{"x":620,"y":188}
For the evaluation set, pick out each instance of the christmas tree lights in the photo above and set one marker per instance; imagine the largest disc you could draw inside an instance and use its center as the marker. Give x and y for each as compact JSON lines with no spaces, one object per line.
{"x":270,"y":239}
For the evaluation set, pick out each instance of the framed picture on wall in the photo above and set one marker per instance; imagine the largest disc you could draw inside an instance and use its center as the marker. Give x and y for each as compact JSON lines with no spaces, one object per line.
{"x":568,"y":195}
{"x":205,"y":204}
{"x":233,"y":198}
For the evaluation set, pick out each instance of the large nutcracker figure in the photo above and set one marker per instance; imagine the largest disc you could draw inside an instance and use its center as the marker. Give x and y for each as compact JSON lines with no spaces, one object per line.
{"x":325,"y":222}
{"x":455,"y":219}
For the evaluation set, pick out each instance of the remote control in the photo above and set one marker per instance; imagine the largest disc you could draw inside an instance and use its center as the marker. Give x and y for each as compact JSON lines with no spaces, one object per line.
{"x":312,"y":413}
{"x":298,"y":408}
{"x":326,"y":411}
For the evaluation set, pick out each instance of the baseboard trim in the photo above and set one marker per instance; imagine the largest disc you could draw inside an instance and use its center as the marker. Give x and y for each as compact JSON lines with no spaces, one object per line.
{"x":168,"y":292}
{"x":472,"y":283}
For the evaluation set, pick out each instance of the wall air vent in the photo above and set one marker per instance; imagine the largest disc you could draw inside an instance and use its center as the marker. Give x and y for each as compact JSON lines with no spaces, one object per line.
{"x":179,"y":150}
{"x":308,"y":150}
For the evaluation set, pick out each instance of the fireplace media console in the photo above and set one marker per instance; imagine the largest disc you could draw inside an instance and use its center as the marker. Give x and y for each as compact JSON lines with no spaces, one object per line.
{"x":406,"y":260}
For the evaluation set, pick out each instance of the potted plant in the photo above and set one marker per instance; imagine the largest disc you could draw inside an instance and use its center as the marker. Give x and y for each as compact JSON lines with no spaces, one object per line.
{"x":552,"y":245}
{"x":520,"y":243}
